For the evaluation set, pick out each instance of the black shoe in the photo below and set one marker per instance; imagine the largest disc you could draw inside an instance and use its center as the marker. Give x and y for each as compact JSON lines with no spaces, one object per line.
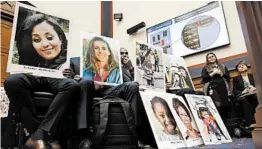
{"x":141,"y":145}
{"x":85,"y":144}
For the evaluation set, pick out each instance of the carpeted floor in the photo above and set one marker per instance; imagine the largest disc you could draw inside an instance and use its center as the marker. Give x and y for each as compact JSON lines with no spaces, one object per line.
{"x":238,"y":143}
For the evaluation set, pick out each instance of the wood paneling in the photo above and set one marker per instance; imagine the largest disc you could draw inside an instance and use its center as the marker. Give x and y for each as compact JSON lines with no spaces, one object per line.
{"x":250,"y":15}
{"x":6,"y":31}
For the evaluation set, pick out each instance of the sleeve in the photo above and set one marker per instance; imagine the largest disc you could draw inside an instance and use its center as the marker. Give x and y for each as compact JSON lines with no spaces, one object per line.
{"x":236,"y":91}
{"x":226,"y":75}
{"x":205,"y":76}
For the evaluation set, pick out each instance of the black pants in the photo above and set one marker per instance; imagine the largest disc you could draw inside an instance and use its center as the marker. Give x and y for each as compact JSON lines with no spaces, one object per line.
{"x":128,"y":91}
{"x":19,"y":88}
{"x":248,"y":106}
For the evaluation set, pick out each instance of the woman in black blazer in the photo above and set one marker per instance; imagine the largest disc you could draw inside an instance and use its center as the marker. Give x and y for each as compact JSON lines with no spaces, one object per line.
{"x":244,"y":89}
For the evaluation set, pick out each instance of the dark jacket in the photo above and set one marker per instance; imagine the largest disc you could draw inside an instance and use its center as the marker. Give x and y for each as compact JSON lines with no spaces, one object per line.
{"x":128,"y":74}
{"x":238,"y":84}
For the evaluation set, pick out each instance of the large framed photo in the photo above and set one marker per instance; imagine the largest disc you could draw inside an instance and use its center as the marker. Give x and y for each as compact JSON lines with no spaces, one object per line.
{"x":185,"y":120}
{"x":209,"y":122}
{"x":100,"y":59}
{"x":149,"y":69}
{"x":177,"y":75}
{"x":164,"y":125}
{"x":39,"y":43}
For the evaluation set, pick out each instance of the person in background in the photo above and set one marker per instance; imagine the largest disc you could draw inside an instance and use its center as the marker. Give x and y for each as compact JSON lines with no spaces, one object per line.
{"x":156,"y":61}
{"x":244,"y":89}
{"x":185,"y":81}
{"x":101,"y":64}
{"x":163,"y":114}
{"x":215,"y":77}
{"x":41,"y":43}
{"x":147,"y":67}
{"x":185,"y":117}
{"x":127,"y":67}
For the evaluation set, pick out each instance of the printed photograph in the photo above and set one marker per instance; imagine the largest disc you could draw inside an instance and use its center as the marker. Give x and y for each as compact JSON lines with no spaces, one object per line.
{"x":177,"y":75}
{"x":100,"y":59}
{"x":185,"y":121}
{"x":164,"y":125}
{"x":149,"y":69}
{"x":39,"y":42}
{"x":208,"y":120}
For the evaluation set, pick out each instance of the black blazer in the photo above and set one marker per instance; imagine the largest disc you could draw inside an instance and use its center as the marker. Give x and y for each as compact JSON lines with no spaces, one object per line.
{"x":238,"y":84}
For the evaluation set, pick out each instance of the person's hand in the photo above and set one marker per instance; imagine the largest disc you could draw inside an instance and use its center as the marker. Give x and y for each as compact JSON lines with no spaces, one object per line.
{"x":68,"y":72}
{"x":97,"y":86}
{"x":252,"y":88}
{"x":77,"y":77}
{"x":245,"y":91}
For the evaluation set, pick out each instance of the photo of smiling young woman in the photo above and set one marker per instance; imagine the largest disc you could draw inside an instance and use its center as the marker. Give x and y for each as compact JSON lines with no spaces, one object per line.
{"x":40,"y":40}
{"x":100,"y":59}
{"x":39,"y":43}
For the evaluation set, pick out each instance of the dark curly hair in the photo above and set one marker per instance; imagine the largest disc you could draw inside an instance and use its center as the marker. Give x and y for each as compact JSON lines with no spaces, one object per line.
{"x":26,"y":51}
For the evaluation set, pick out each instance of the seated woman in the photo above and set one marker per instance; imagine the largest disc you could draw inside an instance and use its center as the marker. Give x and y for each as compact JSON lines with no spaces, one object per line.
{"x":185,"y":117}
{"x":163,"y":114}
{"x":244,"y":88}
{"x":101,"y":64}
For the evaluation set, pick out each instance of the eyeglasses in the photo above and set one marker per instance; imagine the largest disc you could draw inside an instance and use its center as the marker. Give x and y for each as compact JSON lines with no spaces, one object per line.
{"x":122,"y":53}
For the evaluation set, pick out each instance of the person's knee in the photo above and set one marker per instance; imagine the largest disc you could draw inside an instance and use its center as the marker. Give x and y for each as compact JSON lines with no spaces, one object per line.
{"x":84,"y":82}
{"x":13,"y":81}
{"x":133,"y":86}
{"x":70,"y":85}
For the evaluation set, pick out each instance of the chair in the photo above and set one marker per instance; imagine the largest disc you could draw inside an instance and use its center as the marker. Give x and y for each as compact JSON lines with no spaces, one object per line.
{"x":15,"y":130}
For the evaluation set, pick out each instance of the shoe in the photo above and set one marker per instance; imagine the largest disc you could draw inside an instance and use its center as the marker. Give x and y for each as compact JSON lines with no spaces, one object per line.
{"x":85,"y":144}
{"x":36,"y":144}
{"x":141,"y":145}
{"x":54,"y":145}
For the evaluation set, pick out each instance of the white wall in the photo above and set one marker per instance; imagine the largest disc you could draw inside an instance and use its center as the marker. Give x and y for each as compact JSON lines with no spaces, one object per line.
{"x":85,"y":16}
{"x":156,"y":12}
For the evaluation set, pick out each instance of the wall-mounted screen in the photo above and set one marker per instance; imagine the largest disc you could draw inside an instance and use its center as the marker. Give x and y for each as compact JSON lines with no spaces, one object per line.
{"x":198,"y":30}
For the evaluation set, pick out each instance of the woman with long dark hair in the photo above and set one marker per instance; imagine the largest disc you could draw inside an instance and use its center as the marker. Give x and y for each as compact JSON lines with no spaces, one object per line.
{"x":41,"y":42}
{"x":186,"y":118}
{"x":101,"y":64}
{"x":215,"y":77}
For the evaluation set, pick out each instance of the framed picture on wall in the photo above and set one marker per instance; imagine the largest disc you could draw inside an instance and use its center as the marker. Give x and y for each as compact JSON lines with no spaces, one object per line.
{"x":195,"y":31}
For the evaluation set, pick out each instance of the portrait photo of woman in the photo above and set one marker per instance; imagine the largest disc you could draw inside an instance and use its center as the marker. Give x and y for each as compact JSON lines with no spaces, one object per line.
{"x":40,"y":40}
{"x":185,"y":116}
{"x":100,"y":61}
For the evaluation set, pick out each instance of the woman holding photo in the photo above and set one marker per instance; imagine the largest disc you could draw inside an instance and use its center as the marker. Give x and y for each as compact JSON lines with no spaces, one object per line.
{"x":41,"y":42}
{"x":101,"y":64}
{"x":163,"y":114}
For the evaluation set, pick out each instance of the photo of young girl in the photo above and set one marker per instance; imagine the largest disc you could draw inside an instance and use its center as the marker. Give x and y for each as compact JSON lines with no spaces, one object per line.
{"x":208,"y":120}
{"x":164,"y":125}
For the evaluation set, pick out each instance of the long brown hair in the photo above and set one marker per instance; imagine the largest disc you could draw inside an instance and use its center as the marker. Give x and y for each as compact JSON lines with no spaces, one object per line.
{"x":92,"y":61}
